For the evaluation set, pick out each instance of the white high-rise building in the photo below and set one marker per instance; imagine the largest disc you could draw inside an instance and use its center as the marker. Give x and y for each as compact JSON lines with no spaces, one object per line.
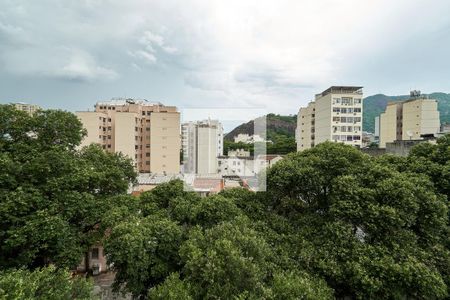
{"x":202,"y":144}
{"x":335,"y":115}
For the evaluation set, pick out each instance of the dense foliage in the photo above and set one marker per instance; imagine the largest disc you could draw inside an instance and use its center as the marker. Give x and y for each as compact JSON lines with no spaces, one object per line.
{"x":53,"y":195}
{"x":334,"y":223}
{"x":280,"y":144}
{"x":43,"y":284}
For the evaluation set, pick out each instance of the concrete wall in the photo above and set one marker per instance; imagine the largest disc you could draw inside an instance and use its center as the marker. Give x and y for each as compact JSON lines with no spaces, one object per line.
{"x":93,"y":123}
{"x":165,"y":143}
{"x":388,"y":125}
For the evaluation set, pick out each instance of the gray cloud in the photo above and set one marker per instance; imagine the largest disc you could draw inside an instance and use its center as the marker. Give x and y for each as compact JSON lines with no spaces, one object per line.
{"x":240,"y":52}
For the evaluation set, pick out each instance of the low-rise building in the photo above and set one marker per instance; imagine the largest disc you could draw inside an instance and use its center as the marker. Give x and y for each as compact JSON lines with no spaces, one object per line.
{"x":148,"y":181}
{"x":248,"y":139}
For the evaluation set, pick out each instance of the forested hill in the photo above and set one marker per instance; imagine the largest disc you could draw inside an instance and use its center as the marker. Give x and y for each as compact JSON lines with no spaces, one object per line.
{"x":276,"y":125}
{"x":375,"y":105}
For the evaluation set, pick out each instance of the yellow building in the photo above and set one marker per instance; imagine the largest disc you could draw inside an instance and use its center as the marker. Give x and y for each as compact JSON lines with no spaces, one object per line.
{"x":334,"y":115}
{"x":305,"y":127}
{"x":409,"y":120}
{"x":29,"y":108}
{"x":148,"y":133}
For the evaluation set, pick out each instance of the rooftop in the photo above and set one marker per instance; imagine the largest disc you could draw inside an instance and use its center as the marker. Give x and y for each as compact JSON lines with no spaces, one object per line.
{"x":148,"y":178}
{"x":118,"y":101}
{"x":341,"y":90}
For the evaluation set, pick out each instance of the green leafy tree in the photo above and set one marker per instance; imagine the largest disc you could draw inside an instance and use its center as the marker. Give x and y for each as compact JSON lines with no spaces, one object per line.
{"x":373,"y":229}
{"x":45,"y":283}
{"x":52,"y":196}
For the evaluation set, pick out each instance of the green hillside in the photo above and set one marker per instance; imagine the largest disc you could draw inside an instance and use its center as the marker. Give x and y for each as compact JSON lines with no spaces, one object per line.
{"x":276,"y":125}
{"x":375,"y":105}
{"x":280,"y":130}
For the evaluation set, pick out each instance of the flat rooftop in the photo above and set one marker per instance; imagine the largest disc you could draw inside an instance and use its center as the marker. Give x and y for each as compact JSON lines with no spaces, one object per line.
{"x":335,"y":89}
{"x":126,"y":101}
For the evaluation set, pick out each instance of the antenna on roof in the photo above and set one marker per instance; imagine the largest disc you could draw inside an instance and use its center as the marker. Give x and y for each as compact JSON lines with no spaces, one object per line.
{"x":410,"y":134}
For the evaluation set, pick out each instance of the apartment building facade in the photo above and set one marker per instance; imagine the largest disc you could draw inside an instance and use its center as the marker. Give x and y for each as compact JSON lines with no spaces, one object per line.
{"x":202,"y":144}
{"x":28,"y":108}
{"x":335,"y":115}
{"x":409,"y":119}
{"x":147,"y":132}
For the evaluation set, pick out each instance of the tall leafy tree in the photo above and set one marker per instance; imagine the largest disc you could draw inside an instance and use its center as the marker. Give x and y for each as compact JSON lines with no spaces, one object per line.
{"x":52,"y":195}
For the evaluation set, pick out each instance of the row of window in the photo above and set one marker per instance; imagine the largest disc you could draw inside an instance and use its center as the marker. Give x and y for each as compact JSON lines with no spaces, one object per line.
{"x":104,"y":119}
{"x":347,"y":100}
{"x":346,"y":128}
{"x":347,"y":138}
{"x":347,"y":110}
{"x":347,"y":119}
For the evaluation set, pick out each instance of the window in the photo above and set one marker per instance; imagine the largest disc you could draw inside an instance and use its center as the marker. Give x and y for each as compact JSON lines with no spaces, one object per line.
{"x":336,"y":119}
{"x":336,"y":100}
{"x":357,"y":100}
{"x":147,"y":163}
{"x":147,"y":128}
{"x":94,"y":253}
{"x":109,"y":119}
{"x":147,"y":154}
{"x":147,"y":146}
{"x":357,"y":119}
{"x":148,"y":113}
{"x":357,"y":110}
{"x":109,"y":137}
{"x":336,"y":109}
{"x":143,"y":113}
{"x":347,"y":101}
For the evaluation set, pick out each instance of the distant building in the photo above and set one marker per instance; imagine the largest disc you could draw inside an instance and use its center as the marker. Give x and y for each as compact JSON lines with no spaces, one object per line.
{"x":409,"y":120}
{"x":248,"y":139}
{"x":239,"y":153}
{"x":335,"y":115}
{"x":246,"y":166}
{"x":146,"y":132}
{"x":202,"y":144}
{"x":377,"y":128}
{"x":241,"y":166}
{"x":28,"y":108}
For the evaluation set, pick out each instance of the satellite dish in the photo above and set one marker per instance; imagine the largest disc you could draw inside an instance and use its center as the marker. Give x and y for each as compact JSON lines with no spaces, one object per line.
{"x":409,"y":133}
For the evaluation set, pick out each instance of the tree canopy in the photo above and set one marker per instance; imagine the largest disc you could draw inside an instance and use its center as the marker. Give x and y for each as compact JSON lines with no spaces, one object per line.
{"x":53,"y":195}
{"x":334,"y":222}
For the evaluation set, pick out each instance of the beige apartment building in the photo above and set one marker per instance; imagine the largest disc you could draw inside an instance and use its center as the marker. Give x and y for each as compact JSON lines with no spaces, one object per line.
{"x":335,"y":115}
{"x":147,"y":132}
{"x":28,"y":108}
{"x":409,"y":119}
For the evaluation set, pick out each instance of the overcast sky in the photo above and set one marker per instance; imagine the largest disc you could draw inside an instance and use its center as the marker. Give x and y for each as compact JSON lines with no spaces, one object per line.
{"x":219,"y":53}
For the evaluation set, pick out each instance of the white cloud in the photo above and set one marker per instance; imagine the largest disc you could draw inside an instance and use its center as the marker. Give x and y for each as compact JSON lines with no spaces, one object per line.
{"x":82,"y":66}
